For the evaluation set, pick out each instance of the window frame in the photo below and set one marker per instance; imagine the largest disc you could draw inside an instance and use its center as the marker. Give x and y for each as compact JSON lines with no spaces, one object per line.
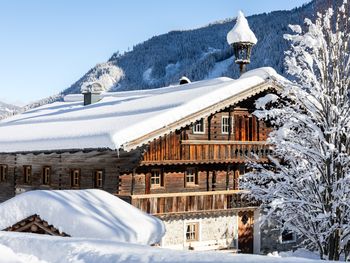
{"x":98,"y":182}
{"x":3,"y":172}
{"x":27,"y":173}
{"x":194,"y":175}
{"x":228,"y":125}
{"x":73,"y":179}
{"x":154,"y":178}
{"x":46,"y":177}
{"x":289,"y":232}
{"x":192,"y":229}
{"x":195,"y":126}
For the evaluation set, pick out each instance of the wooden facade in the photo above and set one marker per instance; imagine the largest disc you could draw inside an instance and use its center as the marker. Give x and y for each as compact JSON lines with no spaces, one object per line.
{"x":191,"y":171}
{"x":34,"y":224}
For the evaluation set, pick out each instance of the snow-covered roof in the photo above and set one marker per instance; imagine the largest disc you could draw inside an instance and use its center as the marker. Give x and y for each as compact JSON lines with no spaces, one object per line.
{"x":121,"y":118}
{"x":84,"y":213}
{"x":241,"y":32}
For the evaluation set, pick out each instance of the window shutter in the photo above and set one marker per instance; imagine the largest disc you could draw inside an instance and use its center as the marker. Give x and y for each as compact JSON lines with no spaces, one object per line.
{"x":196,"y":177}
{"x":161,"y":178}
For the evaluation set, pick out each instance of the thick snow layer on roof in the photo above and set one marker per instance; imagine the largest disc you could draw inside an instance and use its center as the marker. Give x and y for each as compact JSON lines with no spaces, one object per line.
{"x":241,"y":32}
{"x":84,"y":213}
{"x":32,"y":248}
{"x":119,"y":117}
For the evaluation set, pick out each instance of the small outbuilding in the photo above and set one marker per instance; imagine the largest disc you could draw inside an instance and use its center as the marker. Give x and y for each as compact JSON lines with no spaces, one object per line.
{"x":80,"y":213}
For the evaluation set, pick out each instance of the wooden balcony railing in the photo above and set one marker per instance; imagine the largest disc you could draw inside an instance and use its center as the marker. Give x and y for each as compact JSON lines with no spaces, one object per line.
{"x":228,"y":150}
{"x":168,"y":203}
{"x":211,"y":151}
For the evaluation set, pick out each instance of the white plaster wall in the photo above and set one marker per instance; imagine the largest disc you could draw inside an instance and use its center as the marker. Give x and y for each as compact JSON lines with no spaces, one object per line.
{"x":222,"y":229}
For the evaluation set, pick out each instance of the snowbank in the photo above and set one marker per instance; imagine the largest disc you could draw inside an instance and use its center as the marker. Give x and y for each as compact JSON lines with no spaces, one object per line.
{"x":58,"y":249}
{"x":84,"y":213}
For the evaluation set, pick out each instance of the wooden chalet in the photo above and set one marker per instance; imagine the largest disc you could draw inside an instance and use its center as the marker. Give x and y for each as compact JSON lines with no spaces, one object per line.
{"x":175,"y":152}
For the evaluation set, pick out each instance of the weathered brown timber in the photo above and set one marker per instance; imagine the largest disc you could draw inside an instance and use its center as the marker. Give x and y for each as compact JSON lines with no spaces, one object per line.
{"x":34,"y":224}
{"x":61,"y":165}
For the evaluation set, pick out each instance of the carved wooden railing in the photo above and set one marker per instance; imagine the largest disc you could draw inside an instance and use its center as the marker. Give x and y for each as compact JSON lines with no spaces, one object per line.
{"x":172,"y":203}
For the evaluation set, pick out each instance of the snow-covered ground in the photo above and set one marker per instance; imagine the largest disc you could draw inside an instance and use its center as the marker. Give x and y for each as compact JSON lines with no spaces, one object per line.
{"x":32,"y":248}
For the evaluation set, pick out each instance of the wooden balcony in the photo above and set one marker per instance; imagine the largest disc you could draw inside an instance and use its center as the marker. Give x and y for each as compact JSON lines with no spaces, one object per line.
{"x":175,"y":203}
{"x":211,"y":151}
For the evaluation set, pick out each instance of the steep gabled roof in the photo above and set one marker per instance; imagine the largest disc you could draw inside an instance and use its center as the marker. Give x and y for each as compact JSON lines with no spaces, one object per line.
{"x":126,"y":119}
{"x":82,"y":213}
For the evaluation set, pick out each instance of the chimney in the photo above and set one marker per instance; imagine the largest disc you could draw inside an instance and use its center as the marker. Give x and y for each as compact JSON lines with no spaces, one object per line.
{"x":91,"y":92}
{"x":242,"y":39}
{"x":184,"y":80}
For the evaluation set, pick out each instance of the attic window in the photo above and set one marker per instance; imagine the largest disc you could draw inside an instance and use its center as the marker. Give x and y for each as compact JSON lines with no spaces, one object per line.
{"x":3,"y":172}
{"x":75,"y":178}
{"x":198,"y":127}
{"x":46,"y":175}
{"x":27,"y":172}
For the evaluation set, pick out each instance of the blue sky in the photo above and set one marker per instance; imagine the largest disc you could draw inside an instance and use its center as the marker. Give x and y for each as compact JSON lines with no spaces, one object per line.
{"x":45,"y":46}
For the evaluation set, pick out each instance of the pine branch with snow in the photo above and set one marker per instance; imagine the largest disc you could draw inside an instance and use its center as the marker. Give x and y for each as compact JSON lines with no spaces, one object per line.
{"x":308,"y":189}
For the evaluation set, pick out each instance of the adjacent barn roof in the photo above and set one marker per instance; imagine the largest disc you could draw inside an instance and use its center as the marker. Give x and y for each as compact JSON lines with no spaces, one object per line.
{"x":84,"y":213}
{"x":125,"y":119}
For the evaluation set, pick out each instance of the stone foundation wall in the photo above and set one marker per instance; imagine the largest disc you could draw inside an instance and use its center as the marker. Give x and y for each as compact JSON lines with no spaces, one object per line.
{"x":221,"y":230}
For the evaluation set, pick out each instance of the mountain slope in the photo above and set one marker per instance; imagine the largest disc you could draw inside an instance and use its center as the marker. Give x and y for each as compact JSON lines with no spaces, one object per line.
{"x":198,"y":54}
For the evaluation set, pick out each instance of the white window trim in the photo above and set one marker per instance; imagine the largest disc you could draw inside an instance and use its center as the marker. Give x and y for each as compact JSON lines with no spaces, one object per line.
{"x":222,"y":122}
{"x":199,"y":132}
{"x":289,"y":241}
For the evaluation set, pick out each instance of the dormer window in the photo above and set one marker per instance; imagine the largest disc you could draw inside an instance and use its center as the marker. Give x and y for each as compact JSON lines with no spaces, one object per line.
{"x":198,"y":127}
{"x":3,"y":172}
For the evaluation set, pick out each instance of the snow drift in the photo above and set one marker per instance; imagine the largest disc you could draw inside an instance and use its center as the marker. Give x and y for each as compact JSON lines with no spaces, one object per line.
{"x":84,"y":213}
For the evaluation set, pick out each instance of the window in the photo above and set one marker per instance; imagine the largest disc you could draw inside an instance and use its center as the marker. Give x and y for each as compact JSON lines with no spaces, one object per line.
{"x":3,"y":172}
{"x":75,"y":177}
{"x":157,"y":178}
{"x":226,"y":124}
{"x":288,"y":236}
{"x":192,"y":232}
{"x":98,"y":179}
{"x":46,"y":175}
{"x":198,"y":127}
{"x":191,"y":177}
{"x":27,"y":172}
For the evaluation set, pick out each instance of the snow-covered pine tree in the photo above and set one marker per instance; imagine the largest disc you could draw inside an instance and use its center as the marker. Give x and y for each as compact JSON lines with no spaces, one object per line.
{"x":308,"y":188}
